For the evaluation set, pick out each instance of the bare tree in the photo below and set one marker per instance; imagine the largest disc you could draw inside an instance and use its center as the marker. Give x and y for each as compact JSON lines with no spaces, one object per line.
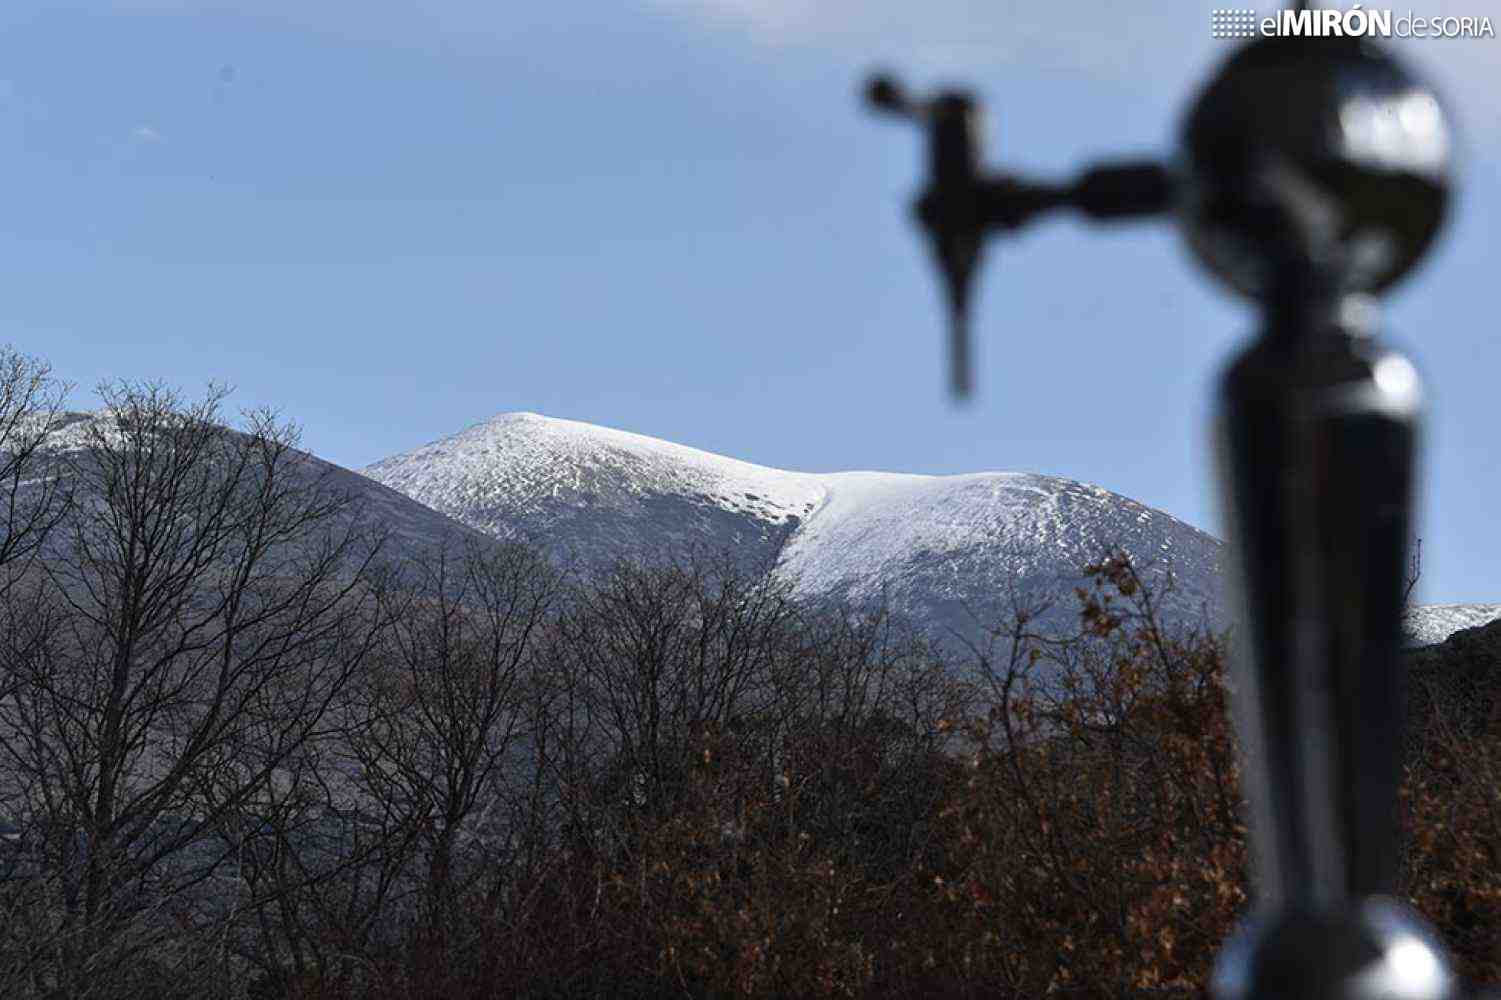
{"x":31,"y":497}
{"x":328,"y":871}
{"x":700,"y":668}
{"x":659,"y":653}
{"x":1414,"y":573}
{"x":442,"y":738}
{"x":212,"y":596}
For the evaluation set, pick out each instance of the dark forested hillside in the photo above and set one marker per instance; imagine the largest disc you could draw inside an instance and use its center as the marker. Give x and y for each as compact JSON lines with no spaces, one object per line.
{"x":246,"y":751}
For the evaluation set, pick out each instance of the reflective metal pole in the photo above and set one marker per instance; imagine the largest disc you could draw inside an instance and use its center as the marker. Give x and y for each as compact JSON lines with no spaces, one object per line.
{"x":1314,"y":174}
{"x":1319,"y":173}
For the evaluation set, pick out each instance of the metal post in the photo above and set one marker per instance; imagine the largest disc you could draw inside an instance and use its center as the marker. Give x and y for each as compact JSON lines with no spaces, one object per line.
{"x":1314,"y":174}
{"x":1320,"y":173}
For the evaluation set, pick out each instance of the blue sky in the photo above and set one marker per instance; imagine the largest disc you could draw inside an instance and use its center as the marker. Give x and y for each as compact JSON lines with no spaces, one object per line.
{"x":392,"y":220}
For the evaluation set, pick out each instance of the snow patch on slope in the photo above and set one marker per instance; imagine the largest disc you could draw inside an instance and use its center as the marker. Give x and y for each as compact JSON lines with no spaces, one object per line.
{"x":963,"y":551}
{"x":594,"y":494}
{"x":518,"y":461}
{"x":1433,"y":623}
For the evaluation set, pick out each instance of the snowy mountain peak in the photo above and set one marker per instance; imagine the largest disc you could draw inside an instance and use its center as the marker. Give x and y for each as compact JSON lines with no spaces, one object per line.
{"x":558,"y":482}
{"x":947,"y":551}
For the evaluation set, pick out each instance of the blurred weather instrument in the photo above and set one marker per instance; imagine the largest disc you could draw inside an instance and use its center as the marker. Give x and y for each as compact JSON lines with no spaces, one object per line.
{"x":1313,"y":173}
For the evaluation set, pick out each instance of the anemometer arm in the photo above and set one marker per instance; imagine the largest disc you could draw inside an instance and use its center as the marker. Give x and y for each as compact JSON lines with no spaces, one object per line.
{"x":960,"y":206}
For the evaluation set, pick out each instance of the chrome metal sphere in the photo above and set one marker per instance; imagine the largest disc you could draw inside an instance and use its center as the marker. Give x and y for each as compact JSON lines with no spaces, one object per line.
{"x":1314,"y":151}
{"x":1379,"y":951}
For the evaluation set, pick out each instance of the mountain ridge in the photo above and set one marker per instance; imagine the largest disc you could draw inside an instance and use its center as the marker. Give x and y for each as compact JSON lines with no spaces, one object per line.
{"x":788,"y":520}
{"x":414,"y":528}
{"x":944,"y":550}
{"x":951,"y":552}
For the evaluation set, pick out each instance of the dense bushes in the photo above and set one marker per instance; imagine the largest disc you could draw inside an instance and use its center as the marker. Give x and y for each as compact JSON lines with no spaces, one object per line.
{"x":242,"y":756}
{"x":1453,"y":795}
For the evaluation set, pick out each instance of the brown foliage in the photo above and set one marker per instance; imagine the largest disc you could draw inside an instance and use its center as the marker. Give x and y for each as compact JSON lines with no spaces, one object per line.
{"x":1096,"y":840}
{"x":1083,"y":833}
{"x":675,"y":780}
{"x":1452,"y":797}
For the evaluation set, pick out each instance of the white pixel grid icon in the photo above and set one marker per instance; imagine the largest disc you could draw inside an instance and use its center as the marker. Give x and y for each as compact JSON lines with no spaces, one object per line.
{"x":1232,"y":22}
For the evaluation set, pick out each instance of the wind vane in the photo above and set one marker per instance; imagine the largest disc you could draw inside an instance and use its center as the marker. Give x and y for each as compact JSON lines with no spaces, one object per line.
{"x":1313,"y":174}
{"x":961,"y":206}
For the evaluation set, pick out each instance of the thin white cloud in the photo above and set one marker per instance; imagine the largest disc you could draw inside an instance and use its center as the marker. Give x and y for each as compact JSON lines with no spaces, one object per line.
{"x":145,"y":133}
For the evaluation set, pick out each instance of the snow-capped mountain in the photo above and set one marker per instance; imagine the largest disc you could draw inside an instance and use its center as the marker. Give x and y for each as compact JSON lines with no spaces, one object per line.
{"x":591,"y":495}
{"x":948,"y":552}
